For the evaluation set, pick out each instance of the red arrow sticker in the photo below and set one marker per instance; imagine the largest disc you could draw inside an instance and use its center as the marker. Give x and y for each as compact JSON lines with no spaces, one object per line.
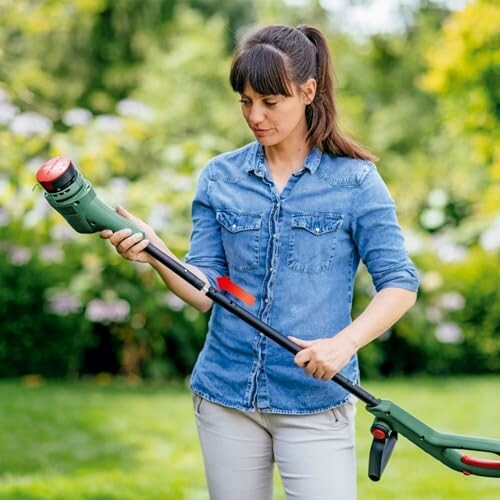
{"x":227,"y":285}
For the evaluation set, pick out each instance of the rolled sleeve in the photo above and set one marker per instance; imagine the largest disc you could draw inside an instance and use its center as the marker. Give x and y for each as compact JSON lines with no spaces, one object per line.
{"x":206,"y":251}
{"x":378,"y":237}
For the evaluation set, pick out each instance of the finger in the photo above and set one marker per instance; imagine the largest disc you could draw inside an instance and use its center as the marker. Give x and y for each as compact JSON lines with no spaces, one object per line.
{"x":122,"y":211}
{"x":127,"y":244}
{"x":300,"y":342}
{"x":302,"y":358}
{"x":125,"y":213}
{"x":117,"y":237}
{"x":319,"y":373}
{"x":310,"y":368}
{"x":106,"y":233}
{"x":140,"y":246}
{"x":134,"y":252}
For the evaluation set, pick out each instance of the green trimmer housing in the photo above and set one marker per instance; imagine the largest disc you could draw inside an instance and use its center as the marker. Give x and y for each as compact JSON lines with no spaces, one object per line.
{"x":75,"y":199}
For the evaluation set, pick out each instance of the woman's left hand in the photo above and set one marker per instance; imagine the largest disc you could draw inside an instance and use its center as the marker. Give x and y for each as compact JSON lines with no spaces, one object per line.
{"x":323,"y":358}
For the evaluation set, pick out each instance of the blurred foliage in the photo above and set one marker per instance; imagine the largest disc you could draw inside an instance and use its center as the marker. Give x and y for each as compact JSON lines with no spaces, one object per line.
{"x":136,"y":94}
{"x":452,"y":329}
{"x":34,"y":338}
{"x":58,"y":54}
{"x":465,"y":73}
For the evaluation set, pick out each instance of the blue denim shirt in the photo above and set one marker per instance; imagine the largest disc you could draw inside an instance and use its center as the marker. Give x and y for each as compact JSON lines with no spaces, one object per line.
{"x":297,"y":252}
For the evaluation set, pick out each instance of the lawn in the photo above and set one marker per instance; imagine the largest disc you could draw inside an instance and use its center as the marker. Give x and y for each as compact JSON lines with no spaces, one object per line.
{"x":119,"y":441}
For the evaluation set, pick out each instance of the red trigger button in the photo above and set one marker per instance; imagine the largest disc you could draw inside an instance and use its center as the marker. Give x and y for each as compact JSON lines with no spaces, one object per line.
{"x":379,"y":434}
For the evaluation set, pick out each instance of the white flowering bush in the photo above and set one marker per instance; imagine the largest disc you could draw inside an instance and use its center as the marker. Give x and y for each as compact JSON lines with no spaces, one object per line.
{"x":87,"y":307}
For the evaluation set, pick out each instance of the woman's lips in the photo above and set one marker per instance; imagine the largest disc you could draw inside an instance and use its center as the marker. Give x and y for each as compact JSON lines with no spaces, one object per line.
{"x":259,"y":132}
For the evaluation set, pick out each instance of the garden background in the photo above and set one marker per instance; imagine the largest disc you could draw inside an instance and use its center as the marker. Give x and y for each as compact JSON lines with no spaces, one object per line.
{"x":135,"y":92}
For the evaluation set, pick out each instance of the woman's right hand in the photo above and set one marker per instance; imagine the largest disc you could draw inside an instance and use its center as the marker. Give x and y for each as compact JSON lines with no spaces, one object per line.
{"x":131,"y":245}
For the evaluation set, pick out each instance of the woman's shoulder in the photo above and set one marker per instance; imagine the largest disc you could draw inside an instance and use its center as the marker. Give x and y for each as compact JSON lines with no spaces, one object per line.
{"x":343,"y":170}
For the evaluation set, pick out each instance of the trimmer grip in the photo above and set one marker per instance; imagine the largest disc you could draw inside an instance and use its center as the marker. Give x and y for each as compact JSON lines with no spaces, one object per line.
{"x":481,"y":462}
{"x":468,"y":465}
{"x":384,"y":440}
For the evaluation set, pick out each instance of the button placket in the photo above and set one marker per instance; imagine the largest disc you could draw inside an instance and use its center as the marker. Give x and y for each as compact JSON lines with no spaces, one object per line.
{"x":274,"y":252}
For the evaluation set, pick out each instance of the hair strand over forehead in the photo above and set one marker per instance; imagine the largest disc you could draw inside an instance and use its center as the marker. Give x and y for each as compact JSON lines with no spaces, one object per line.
{"x":263,"y":67}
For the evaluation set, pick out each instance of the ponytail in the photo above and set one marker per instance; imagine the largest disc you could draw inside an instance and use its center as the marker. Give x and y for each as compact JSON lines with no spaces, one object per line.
{"x":321,"y":114}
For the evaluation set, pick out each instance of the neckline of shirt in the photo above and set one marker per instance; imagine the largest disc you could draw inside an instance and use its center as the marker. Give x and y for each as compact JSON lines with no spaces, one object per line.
{"x":257,"y":160}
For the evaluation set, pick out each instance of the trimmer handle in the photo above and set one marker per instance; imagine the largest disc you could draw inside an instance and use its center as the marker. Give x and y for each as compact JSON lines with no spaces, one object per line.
{"x":384,"y":440}
{"x":454,"y":458}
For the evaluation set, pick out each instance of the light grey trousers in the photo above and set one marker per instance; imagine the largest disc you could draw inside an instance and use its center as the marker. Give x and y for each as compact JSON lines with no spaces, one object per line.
{"x":315,"y":454}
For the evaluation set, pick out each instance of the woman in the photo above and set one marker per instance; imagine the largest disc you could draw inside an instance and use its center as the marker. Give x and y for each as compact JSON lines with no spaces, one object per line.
{"x":288,"y":217}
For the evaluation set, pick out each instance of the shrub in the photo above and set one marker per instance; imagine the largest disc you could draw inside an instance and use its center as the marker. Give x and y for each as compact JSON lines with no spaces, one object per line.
{"x":453,"y":328}
{"x":43,"y":330}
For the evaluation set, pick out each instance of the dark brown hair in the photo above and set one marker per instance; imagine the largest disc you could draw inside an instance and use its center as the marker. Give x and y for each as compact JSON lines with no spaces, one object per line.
{"x":274,"y":58}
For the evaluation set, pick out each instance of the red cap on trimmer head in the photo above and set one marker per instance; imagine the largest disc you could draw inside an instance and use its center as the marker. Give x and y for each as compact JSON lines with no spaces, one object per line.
{"x":54,"y":175}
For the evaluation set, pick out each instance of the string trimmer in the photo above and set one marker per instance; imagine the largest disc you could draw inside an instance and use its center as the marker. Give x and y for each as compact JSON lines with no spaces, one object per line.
{"x":75,"y":199}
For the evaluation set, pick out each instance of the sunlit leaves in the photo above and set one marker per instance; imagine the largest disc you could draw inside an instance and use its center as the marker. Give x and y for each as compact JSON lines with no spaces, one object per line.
{"x":465,"y":73}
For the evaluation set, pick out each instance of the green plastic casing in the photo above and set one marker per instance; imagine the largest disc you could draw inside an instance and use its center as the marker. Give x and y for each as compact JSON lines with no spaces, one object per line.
{"x":84,"y":211}
{"x":444,"y":447}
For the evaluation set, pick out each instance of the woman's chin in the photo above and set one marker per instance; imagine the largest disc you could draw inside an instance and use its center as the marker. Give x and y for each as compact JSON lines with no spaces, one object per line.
{"x":266,"y":141}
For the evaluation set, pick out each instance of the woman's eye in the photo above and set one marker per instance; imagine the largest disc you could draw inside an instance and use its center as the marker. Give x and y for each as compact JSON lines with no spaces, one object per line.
{"x":270,"y":103}
{"x":244,"y":101}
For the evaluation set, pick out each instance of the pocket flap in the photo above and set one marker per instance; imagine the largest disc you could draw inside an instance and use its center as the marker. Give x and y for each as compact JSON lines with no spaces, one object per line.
{"x":317,"y":224}
{"x":239,"y":221}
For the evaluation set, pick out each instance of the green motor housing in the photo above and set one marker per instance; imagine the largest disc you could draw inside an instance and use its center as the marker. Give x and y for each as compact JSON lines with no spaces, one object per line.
{"x":68,"y":192}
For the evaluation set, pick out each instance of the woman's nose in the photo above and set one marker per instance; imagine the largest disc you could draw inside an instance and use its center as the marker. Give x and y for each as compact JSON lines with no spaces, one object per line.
{"x":255,"y":114}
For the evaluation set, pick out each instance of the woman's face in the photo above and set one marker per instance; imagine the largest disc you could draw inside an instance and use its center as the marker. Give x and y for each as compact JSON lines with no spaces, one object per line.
{"x":274,"y":119}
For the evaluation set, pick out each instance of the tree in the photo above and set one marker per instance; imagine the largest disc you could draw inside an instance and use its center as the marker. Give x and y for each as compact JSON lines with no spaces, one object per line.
{"x":464,"y":72}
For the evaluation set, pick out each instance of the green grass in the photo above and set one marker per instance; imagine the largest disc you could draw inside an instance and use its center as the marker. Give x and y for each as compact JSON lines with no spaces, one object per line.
{"x":88,"y":441}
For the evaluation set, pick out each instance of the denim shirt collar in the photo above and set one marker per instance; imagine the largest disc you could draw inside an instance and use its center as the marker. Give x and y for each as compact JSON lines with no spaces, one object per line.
{"x":257,"y":160}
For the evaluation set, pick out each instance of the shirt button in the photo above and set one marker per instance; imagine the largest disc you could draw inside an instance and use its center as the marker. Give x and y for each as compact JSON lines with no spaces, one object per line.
{"x":266,"y":301}
{"x":271,"y":269}
{"x":275,"y":236}
{"x":233,"y":227}
{"x":317,"y":229}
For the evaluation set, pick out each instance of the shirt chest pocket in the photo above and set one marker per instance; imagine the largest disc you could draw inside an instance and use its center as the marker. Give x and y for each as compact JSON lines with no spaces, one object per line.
{"x":312,"y":242}
{"x":240,"y":238}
